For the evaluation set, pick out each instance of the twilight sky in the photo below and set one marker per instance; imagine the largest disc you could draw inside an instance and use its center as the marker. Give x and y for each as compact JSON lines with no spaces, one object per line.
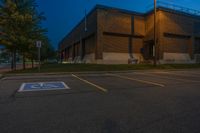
{"x":63,"y":15}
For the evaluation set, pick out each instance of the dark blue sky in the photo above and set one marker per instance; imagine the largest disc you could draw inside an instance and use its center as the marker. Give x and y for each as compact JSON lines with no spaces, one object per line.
{"x":63,"y":15}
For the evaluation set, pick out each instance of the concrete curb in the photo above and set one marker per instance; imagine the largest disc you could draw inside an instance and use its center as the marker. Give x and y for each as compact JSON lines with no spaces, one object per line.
{"x":87,"y":72}
{"x":67,"y":73}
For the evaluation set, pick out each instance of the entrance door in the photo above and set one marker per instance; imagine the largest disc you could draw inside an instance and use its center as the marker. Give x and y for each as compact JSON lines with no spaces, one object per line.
{"x":148,"y":50}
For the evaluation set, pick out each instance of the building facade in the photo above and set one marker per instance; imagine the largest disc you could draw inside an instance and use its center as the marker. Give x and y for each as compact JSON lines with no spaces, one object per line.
{"x":115,"y":36}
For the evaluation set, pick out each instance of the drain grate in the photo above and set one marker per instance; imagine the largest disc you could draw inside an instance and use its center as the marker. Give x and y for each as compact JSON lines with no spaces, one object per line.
{"x":42,"y":86}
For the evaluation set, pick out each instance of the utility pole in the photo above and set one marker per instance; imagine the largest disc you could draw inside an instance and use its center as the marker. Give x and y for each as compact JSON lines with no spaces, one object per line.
{"x":38,"y":45}
{"x":86,"y":20}
{"x":155,"y":37}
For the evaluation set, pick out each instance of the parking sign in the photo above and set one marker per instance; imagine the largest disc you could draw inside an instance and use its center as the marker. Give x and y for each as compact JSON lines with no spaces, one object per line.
{"x":38,"y":44}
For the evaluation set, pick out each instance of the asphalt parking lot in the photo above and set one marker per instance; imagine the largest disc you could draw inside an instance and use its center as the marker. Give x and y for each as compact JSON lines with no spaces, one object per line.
{"x":128,"y":102}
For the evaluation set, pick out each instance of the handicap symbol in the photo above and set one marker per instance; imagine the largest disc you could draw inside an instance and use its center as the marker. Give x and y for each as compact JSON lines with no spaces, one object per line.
{"x":50,"y":85}
{"x":36,"y":86}
{"x":43,"y":86}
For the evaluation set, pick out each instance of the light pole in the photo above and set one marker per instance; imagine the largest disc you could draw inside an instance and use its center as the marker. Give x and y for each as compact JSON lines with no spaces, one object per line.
{"x":38,"y":45}
{"x":155,"y":37}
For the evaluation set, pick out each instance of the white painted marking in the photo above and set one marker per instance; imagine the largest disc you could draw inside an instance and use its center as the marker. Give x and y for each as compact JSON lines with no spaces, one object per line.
{"x":41,"y":86}
{"x":22,"y":87}
{"x":138,"y":80}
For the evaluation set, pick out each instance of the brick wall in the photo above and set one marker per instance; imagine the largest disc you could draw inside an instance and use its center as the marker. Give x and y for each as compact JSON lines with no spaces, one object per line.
{"x":79,"y":31}
{"x":90,"y":45}
{"x":137,"y":44}
{"x":117,"y":22}
{"x":139,"y":25}
{"x":176,"y":24}
{"x":115,"y":44}
{"x":114,"y":31}
{"x":122,"y":27}
{"x":181,"y":28}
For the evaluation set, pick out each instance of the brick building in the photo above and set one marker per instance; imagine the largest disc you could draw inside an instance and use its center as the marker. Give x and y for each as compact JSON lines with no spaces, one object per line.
{"x":116,"y":36}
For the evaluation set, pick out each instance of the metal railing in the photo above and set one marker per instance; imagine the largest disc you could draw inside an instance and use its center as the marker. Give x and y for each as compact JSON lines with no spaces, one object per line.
{"x":174,"y":7}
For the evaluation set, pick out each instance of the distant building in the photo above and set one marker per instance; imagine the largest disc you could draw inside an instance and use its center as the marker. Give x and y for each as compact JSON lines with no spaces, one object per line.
{"x":116,"y":36}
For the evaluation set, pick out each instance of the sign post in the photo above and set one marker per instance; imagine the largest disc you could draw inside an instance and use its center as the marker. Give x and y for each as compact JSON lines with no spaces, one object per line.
{"x":39,"y":45}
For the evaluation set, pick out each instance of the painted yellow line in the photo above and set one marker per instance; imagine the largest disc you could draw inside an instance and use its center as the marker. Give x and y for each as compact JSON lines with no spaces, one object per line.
{"x":98,"y":87}
{"x":164,"y":77}
{"x":138,"y":80}
{"x":185,"y":75}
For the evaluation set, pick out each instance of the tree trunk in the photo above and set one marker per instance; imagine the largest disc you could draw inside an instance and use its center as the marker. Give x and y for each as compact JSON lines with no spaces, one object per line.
{"x":14,"y":59}
{"x":24,"y":62}
{"x":32,"y":62}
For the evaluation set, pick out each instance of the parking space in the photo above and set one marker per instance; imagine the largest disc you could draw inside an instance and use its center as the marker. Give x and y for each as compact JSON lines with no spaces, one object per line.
{"x":103,"y":82}
{"x":112,"y":83}
{"x":180,"y":76}
{"x":139,"y":101}
{"x":165,"y":78}
{"x":11,"y":85}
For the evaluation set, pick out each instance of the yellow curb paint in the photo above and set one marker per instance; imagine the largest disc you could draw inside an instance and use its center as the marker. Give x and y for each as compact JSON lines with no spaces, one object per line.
{"x":90,"y":83}
{"x":138,"y":80}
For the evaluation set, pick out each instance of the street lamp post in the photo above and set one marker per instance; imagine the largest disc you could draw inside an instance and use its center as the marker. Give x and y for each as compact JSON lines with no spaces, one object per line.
{"x":155,"y":37}
{"x":38,"y":45}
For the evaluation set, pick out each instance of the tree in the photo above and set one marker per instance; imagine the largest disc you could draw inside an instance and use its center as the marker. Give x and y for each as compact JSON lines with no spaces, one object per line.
{"x":47,"y":50}
{"x":20,"y":27}
{"x":30,"y":27}
{"x":8,"y":18}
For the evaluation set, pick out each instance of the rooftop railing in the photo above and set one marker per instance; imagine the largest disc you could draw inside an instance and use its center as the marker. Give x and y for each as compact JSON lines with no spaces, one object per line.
{"x":174,"y":7}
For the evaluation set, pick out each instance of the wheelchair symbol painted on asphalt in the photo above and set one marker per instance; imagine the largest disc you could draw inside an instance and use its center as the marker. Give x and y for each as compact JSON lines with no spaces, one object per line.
{"x":39,"y":86}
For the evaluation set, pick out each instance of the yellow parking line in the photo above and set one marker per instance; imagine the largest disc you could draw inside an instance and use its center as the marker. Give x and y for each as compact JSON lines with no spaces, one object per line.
{"x":182,"y":75}
{"x":138,"y":80}
{"x":98,"y":87}
{"x":164,"y":77}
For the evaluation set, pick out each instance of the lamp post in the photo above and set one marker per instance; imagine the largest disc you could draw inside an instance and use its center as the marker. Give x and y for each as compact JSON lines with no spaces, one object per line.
{"x":155,"y":37}
{"x":38,"y":45}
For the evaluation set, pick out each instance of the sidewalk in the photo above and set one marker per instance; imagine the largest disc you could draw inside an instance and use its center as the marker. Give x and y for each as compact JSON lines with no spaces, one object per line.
{"x":6,"y":68}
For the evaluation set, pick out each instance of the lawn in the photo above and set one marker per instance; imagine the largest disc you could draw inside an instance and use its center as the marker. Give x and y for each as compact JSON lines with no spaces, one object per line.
{"x":52,"y":68}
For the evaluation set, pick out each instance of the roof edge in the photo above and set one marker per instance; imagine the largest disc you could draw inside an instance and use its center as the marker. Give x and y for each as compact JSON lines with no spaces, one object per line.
{"x":105,"y":7}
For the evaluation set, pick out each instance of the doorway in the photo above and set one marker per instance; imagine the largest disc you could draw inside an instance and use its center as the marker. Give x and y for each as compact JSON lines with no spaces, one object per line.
{"x":148,"y":50}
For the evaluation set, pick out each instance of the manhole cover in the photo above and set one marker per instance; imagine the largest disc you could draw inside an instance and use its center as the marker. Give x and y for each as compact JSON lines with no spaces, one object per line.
{"x":41,"y":86}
